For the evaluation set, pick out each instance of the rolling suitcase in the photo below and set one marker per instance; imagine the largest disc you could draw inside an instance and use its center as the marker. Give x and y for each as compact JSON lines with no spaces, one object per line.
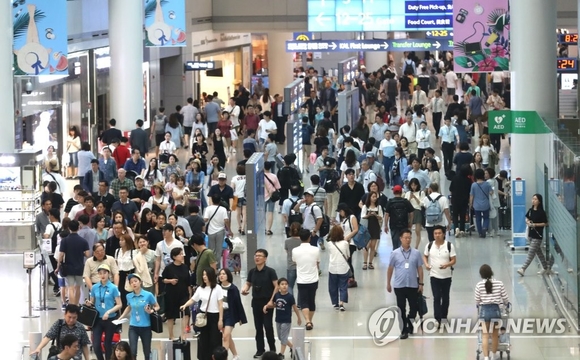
{"x":181,"y":346}
{"x":505,"y":218}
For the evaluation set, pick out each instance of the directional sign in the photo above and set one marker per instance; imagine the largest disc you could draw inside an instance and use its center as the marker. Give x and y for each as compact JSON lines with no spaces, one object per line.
{"x":198,"y":65}
{"x":439,"y":34}
{"x":369,"y":45}
{"x":379,"y":15}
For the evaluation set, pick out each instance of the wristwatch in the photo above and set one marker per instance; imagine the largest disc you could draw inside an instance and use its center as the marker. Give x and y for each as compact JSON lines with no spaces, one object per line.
{"x":421,"y":284}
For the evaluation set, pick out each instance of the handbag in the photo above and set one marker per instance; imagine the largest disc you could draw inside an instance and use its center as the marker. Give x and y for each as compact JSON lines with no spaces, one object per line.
{"x":238,"y":246}
{"x":88,"y":316}
{"x":156,"y":322}
{"x":54,"y":348}
{"x":350,"y":274}
{"x":201,"y":318}
{"x":275,"y":196}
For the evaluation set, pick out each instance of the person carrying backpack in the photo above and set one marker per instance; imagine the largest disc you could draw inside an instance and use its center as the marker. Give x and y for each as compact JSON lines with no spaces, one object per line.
{"x":436,"y":210}
{"x":288,"y":214}
{"x":398,"y":215}
{"x":288,"y":176}
{"x":52,"y":231}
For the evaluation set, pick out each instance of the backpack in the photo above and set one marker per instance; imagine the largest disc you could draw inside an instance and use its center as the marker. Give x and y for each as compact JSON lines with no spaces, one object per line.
{"x":331,"y":180}
{"x":399,"y":214}
{"x":160,"y":121}
{"x":448,"y":250}
{"x":380,"y":182}
{"x":54,"y":238}
{"x":293,"y":216}
{"x":433,"y":212}
{"x":288,"y":177}
{"x":408,"y":67}
{"x":325,"y":227}
{"x":373,"y":95}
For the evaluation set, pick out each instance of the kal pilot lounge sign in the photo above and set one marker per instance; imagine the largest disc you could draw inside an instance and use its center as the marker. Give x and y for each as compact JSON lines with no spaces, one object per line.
{"x":516,"y":122}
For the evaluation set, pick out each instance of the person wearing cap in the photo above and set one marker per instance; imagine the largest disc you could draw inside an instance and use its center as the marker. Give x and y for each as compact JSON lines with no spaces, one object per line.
{"x":52,"y":173}
{"x":92,"y":177}
{"x":107,"y":164}
{"x":313,"y":217}
{"x":223,"y":190}
{"x":351,"y":192}
{"x":217,"y":220}
{"x":139,"y":195}
{"x":140,"y":305}
{"x":375,"y":166}
{"x":400,"y":212}
{"x":106,"y":299}
{"x":90,"y":272}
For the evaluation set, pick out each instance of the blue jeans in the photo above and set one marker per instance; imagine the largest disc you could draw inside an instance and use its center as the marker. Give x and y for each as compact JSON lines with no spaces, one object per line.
{"x":397,"y":180}
{"x":291,"y":277}
{"x":388,"y":164}
{"x":338,"y":288}
{"x":107,"y":327}
{"x":136,"y":332}
{"x":482,"y":221}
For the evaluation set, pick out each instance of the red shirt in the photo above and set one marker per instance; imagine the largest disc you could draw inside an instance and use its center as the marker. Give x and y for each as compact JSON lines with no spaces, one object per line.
{"x":121,"y":154}
{"x":225,"y":127}
{"x":252,"y":121}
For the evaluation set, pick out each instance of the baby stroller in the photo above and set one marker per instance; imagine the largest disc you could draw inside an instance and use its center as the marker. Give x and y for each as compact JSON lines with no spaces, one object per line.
{"x":504,"y":344}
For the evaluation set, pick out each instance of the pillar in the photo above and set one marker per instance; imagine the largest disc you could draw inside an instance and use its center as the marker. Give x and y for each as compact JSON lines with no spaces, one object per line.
{"x":7,"y":94}
{"x":280,"y":62}
{"x":533,"y":82}
{"x":126,"y":49}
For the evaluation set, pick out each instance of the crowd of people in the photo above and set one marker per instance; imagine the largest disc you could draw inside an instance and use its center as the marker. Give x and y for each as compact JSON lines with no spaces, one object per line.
{"x":147,"y":235}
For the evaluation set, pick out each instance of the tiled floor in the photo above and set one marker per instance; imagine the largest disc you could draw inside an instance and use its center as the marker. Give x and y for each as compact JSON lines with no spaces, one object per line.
{"x":345,"y":335}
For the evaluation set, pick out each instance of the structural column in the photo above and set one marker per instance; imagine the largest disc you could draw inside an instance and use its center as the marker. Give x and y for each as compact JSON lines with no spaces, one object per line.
{"x":7,"y":94}
{"x":280,"y":62}
{"x":126,"y":49}
{"x":533,"y":81}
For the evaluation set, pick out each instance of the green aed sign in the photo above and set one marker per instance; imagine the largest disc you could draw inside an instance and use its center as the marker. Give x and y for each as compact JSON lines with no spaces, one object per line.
{"x":516,"y":122}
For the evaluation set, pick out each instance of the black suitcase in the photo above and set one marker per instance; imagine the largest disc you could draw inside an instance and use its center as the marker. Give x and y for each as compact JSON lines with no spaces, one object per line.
{"x":87,"y":316}
{"x":182,"y":347}
{"x":156,"y":322}
{"x":505,"y":218}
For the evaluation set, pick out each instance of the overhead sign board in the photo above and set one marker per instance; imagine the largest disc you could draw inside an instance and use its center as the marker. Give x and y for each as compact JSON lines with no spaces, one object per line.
{"x":379,"y":15}
{"x":369,"y":45}
{"x":568,"y":39}
{"x":567,"y":65}
{"x":199,"y":65}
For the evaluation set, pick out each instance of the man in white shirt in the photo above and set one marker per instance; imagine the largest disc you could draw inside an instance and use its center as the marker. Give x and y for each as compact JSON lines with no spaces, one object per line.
{"x":163,"y":254}
{"x":378,"y":129}
{"x":449,"y":140}
{"x":419,"y":97}
{"x":266,"y":126}
{"x":436,"y":105}
{"x":409,"y":130}
{"x":387,"y":152}
{"x":419,"y":174}
{"x":439,"y":257}
{"x":218,"y":222}
{"x":431,"y":217}
{"x":234,"y":111}
{"x":307,"y":259}
{"x":312,"y":216}
{"x":167,"y":147}
{"x":451,"y":83}
{"x":189,"y":113}
{"x":366,"y":175}
{"x":497,"y":80}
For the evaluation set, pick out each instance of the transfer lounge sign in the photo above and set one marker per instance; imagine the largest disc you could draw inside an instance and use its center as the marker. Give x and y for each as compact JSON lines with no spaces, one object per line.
{"x":516,"y":122}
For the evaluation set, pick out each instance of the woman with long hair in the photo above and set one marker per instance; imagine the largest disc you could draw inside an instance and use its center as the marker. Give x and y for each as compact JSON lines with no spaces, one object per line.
{"x":50,"y":154}
{"x":213,"y":170}
{"x":415,"y":197}
{"x":144,"y":223}
{"x":73,"y":146}
{"x":159,"y":202}
{"x":233,"y":309}
{"x":176,"y":280}
{"x":399,"y":166}
{"x":100,"y":223}
{"x":338,"y":268}
{"x":485,"y":148}
{"x":200,"y":150}
{"x":225,"y":125}
{"x":175,"y":129}
{"x":372,"y":214}
{"x":218,"y":147}
{"x":361,"y":130}
{"x":266,"y":100}
{"x":119,"y":216}
{"x":349,"y":225}
{"x":200,"y":124}
{"x":477,"y":161}
{"x":195,"y":180}
{"x":433,"y":169}
{"x":212,"y":298}
{"x":536,"y":220}
{"x":321,"y":140}
{"x":489,"y":295}
{"x":239,"y":187}
{"x":404,"y":143}
{"x":180,"y":192}
{"x":124,"y":256}
{"x":145,"y":264}
{"x":350,"y":162}
{"x":152,"y":174}
{"x":122,"y":351}
{"x":172,"y":167}
{"x":494,"y":202}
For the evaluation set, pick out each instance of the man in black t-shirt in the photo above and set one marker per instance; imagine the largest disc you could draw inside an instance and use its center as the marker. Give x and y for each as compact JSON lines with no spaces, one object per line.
{"x":139,"y":195}
{"x":225,"y":192}
{"x":263,"y":281}
{"x":155,"y":234}
{"x":195,"y":221}
{"x":400,"y":211}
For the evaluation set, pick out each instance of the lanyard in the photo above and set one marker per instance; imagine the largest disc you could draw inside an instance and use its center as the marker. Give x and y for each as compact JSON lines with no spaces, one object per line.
{"x":102,"y":292}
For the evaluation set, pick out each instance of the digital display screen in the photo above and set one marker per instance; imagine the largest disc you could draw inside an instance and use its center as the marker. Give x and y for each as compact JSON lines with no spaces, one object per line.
{"x":380,"y":15}
{"x":567,"y":65}
{"x":294,"y":96}
{"x":568,"y":39}
{"x":347,"y":70}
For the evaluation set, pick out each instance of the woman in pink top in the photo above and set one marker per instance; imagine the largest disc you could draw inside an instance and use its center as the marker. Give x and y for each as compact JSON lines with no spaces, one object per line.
{"x":271,"y":195}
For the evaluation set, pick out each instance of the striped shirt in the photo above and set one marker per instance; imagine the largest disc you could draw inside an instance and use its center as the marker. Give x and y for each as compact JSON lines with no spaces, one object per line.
{"x":498,"y":294}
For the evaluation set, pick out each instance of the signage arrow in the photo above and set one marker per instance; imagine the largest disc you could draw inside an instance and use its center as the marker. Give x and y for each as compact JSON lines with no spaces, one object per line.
{"x":385,"y":45}
{"x":368,"y":45}
{"x":437,"y":44}
{"x":333,"y":44}
{"x":428,"y":33}
{"x":320,"y":19}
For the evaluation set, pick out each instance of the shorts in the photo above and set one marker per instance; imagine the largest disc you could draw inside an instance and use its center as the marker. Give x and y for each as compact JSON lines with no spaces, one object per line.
{"x":228,"y":319}
{"x":450,"y":91}
{"x":403,"y":95}
{"x":283,"y":330}
{"x":211,"y":128}
{"x":159,"y":138}
{"x":62,"y":283}
{"x":307,"y":296}
{"x":187,"y":130}
{"x":417,"y":217}
{"x":489,"y":312}
{"x":269,"y":205}
{"x":73,"y":159}
{"x":74,"y":280}
{"x":242,"y":201}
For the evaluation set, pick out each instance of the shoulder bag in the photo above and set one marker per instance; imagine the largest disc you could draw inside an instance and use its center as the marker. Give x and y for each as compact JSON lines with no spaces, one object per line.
{"x":274,"y":196}
{"x":492,"y":211}
{"x":54,"y":348}
{"x":201,"y":318}
{"x":350,"y":274}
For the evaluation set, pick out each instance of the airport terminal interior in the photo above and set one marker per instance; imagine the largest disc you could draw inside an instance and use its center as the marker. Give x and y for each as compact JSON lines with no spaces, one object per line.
{"x":228,"y":50}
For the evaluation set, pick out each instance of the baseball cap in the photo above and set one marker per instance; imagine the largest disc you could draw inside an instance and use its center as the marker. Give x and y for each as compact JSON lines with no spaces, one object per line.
{"x":308,"y":192}
{"x":104,"y":267}
{"x":222,"y":176}
{"x":134,"y":276}
{"x":139,"y":177}
{"x":397,"y":189}
{"x":370,"y":154}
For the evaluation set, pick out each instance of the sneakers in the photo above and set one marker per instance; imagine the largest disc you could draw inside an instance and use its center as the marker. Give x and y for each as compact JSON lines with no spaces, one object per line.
{"x":236,"y":357}
{"x":457,"y":232}
{"x":521,"y":271}
{"x":342,"y":308}
{"x":258,"y":354}
{"x":63,"y":307}
{"x":336,"y":307}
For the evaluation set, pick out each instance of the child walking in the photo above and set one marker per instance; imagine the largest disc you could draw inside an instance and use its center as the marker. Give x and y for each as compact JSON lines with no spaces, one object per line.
{"x":285,"y":303}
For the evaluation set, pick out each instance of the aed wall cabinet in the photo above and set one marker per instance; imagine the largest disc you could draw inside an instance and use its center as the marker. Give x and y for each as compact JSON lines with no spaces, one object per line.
{"x":20,"y":200}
